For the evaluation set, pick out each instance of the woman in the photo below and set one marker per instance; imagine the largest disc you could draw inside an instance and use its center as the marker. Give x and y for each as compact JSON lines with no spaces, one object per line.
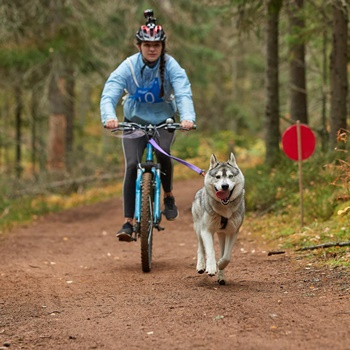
{"x":156,"y":88}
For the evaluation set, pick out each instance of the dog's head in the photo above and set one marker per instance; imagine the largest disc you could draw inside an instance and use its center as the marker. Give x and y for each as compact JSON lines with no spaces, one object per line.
{"x":224,"y":180}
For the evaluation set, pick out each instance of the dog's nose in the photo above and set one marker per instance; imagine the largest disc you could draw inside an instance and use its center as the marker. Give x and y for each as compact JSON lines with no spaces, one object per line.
{"x":225,"y":187}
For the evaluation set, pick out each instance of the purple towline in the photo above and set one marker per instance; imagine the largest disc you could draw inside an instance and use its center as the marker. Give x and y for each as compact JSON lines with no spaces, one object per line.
{"x":189,"y":165}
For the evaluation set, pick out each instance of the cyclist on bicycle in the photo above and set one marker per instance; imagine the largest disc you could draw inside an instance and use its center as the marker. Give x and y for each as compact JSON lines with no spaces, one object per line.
{"x":156,"y":88}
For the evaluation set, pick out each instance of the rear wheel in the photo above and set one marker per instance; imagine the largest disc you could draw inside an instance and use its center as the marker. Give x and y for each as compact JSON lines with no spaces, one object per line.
{"x":146,"y":224}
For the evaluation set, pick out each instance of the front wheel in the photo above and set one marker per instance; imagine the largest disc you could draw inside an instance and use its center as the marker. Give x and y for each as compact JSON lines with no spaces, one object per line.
{"x":146,"y":223}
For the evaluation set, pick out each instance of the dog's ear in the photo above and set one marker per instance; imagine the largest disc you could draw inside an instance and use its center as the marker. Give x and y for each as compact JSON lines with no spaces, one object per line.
{"x":232,"y":160}
{"x":213,"y":161}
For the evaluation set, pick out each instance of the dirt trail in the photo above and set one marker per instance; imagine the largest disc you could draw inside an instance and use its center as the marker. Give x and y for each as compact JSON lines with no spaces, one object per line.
{"x":67,"y":283}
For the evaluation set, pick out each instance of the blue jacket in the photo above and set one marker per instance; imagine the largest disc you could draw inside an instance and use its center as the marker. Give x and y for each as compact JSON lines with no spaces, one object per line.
{"x":176,"y":84}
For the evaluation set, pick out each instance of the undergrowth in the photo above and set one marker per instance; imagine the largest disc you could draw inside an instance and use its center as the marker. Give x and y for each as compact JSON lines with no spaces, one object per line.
{"x":274,"y":202}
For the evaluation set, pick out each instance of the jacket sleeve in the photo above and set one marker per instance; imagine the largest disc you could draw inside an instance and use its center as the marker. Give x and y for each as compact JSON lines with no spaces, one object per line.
{"x":182,"y":90}
{"x":112,"y":92}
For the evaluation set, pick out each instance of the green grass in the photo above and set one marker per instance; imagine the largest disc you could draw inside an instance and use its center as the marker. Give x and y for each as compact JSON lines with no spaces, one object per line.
{"x":14,"y":212}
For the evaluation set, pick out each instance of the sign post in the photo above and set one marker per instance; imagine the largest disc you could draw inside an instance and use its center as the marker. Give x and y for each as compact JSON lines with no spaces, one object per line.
{"x":299,"y":143}
{"x":300,"y":175}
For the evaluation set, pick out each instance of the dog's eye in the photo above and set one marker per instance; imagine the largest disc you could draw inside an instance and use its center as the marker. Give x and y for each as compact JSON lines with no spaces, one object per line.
{"x":230,"y":176}
{"x":217,"y":176}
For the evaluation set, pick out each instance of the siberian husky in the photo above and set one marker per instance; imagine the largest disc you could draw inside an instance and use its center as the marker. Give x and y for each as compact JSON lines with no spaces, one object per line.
{"x":218,"y":207}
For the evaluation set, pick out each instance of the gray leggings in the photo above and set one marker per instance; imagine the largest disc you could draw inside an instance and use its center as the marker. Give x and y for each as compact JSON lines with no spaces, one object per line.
{"x":133,"y":150}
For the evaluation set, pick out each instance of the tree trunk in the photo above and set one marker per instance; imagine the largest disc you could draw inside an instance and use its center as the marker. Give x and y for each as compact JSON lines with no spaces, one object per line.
{"x":34,"y":111}
{"x":61,"y":97}
{"x":6,"y":137}
{"x":298,"y":96}
{"x":324,"y":132}
{"x":272,"y":121}
{"x":58,"y":98}
{"x":70,"y":117}
{"x":2,"y":137}
{"x":338,"y":71}
{"x":19,"y":107}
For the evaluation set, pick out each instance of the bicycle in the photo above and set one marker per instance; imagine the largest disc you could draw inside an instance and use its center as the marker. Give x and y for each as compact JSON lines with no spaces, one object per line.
{"x":148,"y":187}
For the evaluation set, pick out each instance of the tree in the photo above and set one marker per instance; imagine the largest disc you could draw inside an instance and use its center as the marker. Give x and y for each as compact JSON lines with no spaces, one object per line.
{"x":72,"y":35}
{"x":18,"y":123}
{"x":338,"y":70}
{"x":298,"y":94}
{"x":60,"y":89}
{"x":272,"y":118}
{"x":59,"y":100}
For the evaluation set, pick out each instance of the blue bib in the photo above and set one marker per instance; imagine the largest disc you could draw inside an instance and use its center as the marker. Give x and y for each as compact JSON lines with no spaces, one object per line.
{"x":149,"y":94}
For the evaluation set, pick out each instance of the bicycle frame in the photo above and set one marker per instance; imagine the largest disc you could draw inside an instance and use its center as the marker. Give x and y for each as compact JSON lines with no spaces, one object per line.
{"x":149,"y":166}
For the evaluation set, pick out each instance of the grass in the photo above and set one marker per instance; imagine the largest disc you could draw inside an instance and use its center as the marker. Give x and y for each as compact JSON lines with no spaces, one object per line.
{"x":26,"y":209}
{"x":281,"y":229}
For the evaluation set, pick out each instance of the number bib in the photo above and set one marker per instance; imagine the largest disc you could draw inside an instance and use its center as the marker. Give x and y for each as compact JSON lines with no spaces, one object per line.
{"x":149,"y":94}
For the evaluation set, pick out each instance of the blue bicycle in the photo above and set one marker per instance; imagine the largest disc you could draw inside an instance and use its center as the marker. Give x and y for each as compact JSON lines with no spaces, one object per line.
{"x":148,"y":187}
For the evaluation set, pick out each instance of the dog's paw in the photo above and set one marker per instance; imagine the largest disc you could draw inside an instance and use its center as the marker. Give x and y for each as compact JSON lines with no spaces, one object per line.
{"x":200,"y":265}
{"x":221,"y":277}
{"x":211,"y":270}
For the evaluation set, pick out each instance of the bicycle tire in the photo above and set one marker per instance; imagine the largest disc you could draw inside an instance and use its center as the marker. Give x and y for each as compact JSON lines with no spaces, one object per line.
{"x":146,"y":223}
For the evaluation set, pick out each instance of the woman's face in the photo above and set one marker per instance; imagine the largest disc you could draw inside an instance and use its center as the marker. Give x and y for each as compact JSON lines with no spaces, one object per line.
{"x":151,"y":50}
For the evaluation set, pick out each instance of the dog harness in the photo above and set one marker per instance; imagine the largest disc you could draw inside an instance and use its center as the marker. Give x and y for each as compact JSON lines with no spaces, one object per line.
{"x":223,"y":223}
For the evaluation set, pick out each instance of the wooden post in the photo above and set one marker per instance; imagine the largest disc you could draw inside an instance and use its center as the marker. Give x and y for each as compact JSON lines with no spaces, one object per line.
{"x":300,"y":174}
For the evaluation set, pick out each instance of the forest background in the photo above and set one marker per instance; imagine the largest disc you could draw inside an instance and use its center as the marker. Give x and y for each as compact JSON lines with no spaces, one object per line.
{"x":256,"y":67}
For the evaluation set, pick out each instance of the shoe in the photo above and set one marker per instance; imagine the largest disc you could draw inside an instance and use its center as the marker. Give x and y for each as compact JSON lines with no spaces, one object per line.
{"x":125,"y":233}
{"x":170,"y":209}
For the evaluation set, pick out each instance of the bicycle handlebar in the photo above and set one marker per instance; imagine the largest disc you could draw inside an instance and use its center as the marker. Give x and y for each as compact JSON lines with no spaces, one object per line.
{"x":131,"y":126}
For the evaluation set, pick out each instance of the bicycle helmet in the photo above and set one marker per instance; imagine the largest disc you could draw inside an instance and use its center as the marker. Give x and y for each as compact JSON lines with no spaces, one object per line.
{"x":150,"y":31}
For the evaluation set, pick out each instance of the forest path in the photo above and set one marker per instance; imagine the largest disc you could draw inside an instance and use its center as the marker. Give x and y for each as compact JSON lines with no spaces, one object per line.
{"x":67,"y":283}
